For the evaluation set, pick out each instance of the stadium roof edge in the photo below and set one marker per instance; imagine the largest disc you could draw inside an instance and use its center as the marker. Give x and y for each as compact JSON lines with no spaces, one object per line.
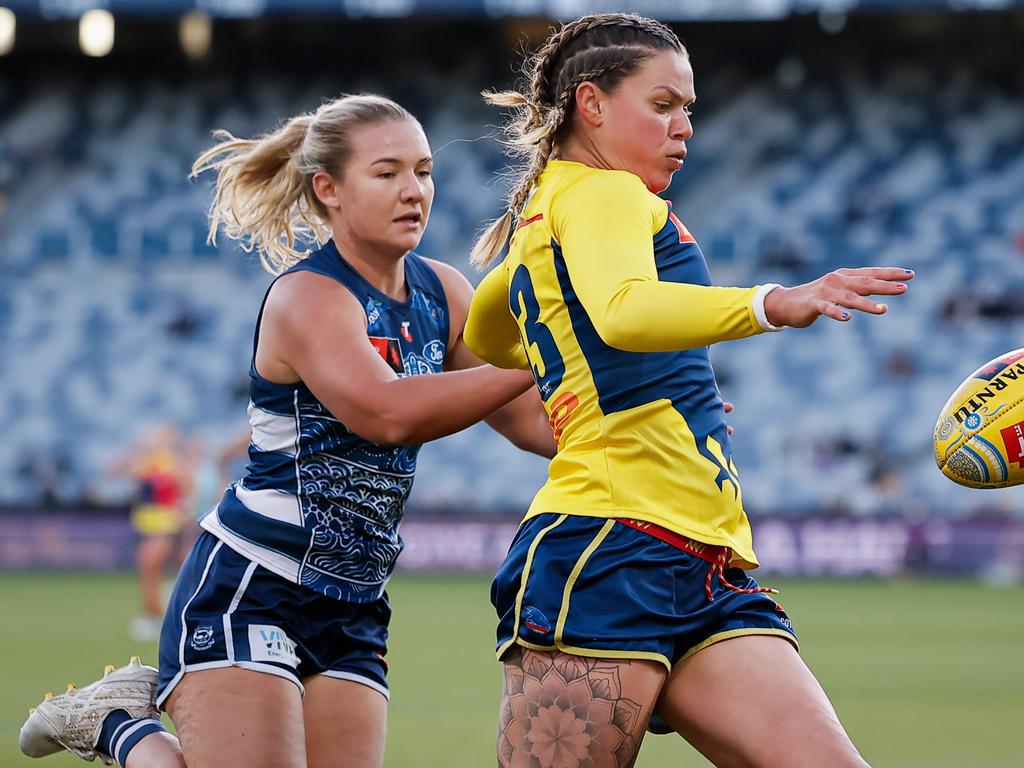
{"x":668,"y":10}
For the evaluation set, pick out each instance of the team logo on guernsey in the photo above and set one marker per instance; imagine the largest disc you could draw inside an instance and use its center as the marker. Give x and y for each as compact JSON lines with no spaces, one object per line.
{"x":270,"y":643}
{"x":535,"y":621}
{"x":388,"y":348}
{"x":202,"y":638}
{"x":434,"y":352}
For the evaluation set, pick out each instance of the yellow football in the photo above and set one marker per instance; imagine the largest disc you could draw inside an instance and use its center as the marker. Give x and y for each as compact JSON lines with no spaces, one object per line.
{"x":979,"y":437}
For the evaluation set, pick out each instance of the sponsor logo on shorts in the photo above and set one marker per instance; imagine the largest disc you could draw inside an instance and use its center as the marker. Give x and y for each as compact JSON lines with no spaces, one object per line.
{"x":202,"y":638}
{"x":270,"y":643}
{"x":535,"y":621}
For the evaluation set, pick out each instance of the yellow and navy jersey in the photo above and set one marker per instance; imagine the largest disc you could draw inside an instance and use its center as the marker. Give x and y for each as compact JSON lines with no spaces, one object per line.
{"x":608,"y":298}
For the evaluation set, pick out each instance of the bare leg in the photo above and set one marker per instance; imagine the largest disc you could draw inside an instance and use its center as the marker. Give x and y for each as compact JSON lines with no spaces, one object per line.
{"x":346,"y":723}
{"x":150,"y":559}
{"x":158,"y":750}
{"x":562,"y":711}
{"x":751,"y":702}
{"x":238,"y":718}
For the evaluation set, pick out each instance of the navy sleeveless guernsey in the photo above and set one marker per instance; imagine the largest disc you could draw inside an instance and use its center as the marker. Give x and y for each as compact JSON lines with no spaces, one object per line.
{"x":319,"y":505}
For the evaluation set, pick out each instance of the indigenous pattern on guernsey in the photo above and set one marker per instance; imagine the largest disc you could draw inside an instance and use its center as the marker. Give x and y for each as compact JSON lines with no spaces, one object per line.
{"x":319,"y":505}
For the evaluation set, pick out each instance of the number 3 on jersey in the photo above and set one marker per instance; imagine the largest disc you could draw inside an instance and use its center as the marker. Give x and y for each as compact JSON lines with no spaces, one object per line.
{"x":541,"y":350}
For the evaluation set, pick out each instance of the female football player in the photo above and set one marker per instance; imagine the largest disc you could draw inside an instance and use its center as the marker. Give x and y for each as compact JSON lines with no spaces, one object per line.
{"x":624,"y":592}
{"x":272,"y":649}
{"x":159,"y":466}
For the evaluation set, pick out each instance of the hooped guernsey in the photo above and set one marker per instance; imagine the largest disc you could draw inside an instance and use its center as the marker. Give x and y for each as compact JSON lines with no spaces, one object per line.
{"x":319,"y":505}
{"x":607,"y":297}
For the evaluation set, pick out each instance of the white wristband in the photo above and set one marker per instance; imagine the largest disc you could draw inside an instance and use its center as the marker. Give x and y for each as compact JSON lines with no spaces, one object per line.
{"x":758,"y":307}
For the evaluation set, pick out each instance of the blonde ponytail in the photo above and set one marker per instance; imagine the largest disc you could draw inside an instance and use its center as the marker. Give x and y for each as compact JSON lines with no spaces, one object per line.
{"x":261,"y":198}
{"x":264,"y":194}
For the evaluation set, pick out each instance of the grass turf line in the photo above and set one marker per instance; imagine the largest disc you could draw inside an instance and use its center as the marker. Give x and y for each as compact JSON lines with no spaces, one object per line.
{"x":921,"y":673}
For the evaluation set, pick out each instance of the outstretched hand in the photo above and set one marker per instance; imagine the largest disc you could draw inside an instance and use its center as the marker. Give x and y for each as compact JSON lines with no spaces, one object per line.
{"x":835,"y":295}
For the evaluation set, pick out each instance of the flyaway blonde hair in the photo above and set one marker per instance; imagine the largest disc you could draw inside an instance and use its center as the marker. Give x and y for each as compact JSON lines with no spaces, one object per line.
{"x":264,"y":194}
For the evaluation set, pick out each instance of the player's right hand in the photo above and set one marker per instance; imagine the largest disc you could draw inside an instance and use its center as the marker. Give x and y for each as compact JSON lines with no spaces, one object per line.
{"x":835,"y":295}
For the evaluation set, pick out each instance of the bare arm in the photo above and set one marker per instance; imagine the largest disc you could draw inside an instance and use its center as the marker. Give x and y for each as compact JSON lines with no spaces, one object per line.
{"x":523,"y":421}
{"x":235,"y":449}
{"x":488,"y":328}
{"x":314,"y":330}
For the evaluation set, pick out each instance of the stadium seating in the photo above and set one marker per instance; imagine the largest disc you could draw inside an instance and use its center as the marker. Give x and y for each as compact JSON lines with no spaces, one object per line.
{"x":114,"y":313}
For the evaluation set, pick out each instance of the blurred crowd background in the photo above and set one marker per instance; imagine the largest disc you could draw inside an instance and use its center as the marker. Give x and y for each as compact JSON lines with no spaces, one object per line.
{"x":827,"y":134}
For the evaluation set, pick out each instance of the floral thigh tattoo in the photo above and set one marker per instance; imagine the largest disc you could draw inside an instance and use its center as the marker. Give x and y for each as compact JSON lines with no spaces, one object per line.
{"x":564,"y":711}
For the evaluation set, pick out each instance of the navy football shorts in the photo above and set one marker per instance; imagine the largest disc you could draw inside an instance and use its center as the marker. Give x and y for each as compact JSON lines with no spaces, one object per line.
{"x":227,"y":611}
{"x":597,"y":587}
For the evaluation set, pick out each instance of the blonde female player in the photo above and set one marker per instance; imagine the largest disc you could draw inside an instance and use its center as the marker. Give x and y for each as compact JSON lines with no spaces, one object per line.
{"x":624,"y":591}
{"x":272,"y":651}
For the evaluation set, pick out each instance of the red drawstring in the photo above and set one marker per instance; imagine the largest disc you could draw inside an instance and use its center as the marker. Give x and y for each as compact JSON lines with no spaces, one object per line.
{"x":717,"y":556}
{"x":718,"y":566}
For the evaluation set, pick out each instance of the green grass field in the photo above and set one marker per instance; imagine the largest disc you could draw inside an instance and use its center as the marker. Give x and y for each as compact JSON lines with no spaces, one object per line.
{"x":924,"y":674}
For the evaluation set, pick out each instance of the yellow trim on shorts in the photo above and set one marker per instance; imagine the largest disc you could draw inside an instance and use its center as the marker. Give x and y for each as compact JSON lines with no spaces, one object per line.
{"x":156,"y":520}
{"x":593,"y":653}
{"x":563,"y":613}
{"x":574,"y":574}
{"x":730,"y":634}
{"x":522,"y":584}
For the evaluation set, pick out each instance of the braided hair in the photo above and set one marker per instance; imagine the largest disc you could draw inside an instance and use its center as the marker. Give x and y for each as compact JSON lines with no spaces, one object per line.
{"x":600,"y":48}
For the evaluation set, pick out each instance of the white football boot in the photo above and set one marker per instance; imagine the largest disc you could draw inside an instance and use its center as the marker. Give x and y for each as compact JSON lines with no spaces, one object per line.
{"x":73,"y":720}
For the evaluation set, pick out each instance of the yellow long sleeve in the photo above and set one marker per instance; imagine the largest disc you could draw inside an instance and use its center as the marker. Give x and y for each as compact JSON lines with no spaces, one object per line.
{"x":605,"y":240}
{"x":491,"y":331}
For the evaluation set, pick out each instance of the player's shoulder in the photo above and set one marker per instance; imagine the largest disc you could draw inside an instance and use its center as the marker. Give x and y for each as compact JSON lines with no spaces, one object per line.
{"x":303,"y":299}
{"x":445,"y":272}
{"x":454,"y":283}
{"x":577,"y":186}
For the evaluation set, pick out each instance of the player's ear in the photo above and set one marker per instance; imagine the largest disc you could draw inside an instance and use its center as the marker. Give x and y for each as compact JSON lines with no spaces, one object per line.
{"x":326,"y":189}
{"x":590,"y":104}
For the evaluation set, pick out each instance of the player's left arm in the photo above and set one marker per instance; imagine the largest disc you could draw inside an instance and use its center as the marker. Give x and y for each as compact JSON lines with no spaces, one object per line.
{"x":523,"y":421}
{"x":489,"y":328}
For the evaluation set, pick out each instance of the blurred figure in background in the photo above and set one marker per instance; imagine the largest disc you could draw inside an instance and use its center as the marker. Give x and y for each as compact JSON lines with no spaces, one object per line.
{"x":209,"y":472}
{"x":160,"y":465}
